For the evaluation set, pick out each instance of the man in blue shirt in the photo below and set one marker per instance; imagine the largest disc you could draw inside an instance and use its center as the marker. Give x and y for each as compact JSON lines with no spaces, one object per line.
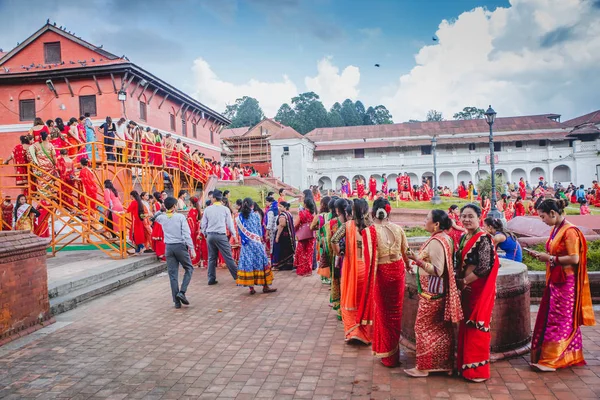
{"x":580,"y":193}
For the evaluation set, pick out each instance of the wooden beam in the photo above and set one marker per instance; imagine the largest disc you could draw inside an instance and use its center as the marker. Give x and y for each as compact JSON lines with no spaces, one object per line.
{"x":136,"y":88}
{"x":152,"y":95}
{"x":163,"y":100}
{"x":128,"y":83}
{"x":112,"y":77}
{"x":69,"y":86}
{"x":177,"y":113}
{"x":123,"y":79}
{"x":184,"y":111}
{"x":222,"y":127}
{"x":97,"y":85}
{"x":191,"y":115}
{"x":207,"y":118}
{"x":143,"y":90}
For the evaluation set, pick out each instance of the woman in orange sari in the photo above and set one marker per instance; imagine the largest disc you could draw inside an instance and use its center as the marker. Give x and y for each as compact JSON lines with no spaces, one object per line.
{"x":439,"y":300}
{"x":567,"y":302}
{"x":477,"y":269}
{"x":352,"y":282}
{"x":386,"y":262}
{"x":194,"y":216}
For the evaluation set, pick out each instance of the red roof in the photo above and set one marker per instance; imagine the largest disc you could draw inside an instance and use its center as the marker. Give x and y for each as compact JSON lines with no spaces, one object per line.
{"x":407,"y":129}
{"x":286,"y":133}
{"x":593,"y":117}
{"x":227,"y":133}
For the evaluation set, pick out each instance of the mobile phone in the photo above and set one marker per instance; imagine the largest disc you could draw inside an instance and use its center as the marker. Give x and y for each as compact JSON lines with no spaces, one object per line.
{"x":529,"y":250}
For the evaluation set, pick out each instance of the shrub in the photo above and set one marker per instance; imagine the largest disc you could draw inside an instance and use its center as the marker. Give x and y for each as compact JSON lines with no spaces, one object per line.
{"x":484,"y":186}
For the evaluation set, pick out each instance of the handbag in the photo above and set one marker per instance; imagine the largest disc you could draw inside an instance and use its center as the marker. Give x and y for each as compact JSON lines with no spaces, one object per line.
{"x":304,"y":232}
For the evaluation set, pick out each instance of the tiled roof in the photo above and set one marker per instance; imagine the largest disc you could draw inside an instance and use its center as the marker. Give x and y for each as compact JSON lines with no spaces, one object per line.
{"x":407,"y":129}
{"x":286,"y":133}
{"x":265,"y":119}
{"x":584,"y":129}
{"x":423,"y":142}
{"x":593,"y":117}
{"x":227,"y":133}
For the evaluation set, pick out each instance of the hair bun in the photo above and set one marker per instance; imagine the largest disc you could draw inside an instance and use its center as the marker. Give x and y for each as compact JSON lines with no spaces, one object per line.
{"x":562,"y":204}
{"x":381,"y":214}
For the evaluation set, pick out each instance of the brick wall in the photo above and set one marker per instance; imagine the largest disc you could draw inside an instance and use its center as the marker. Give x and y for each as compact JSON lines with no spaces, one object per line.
{"x":24,"y":304}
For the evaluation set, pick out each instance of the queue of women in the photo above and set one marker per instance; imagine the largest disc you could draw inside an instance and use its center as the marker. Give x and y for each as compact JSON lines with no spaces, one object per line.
{"x":365,"y":258}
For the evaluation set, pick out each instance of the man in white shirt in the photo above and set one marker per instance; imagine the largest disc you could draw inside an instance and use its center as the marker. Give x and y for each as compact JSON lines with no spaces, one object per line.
{"x":120,"y":138}
{"x":216,"y":220}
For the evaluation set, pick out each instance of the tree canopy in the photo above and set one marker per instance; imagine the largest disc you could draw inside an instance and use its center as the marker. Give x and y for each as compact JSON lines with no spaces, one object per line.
{"x":434,"y":115}
{"x":470,"y":113}
{"x":244,"y":112}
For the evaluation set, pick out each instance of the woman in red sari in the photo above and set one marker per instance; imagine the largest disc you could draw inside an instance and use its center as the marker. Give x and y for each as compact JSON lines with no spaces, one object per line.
{"x":194,"y":216}
{"x":439,"y":300}
{"x":352,"y":283}
{"x":66,"y":172}
{"x":42,"y":228}
{"x":20,"y":155}
{"x":463,"y":193}
{"x":477,"y":269}
{"x":372,"y":187}
{"x":456,"y":230}
{"x":486,"y":206}
{"x":522,"y":188}
{"x":567,"y":302}
{"x":72,"y":132}
{"x":158,"y":236}
{"x":519,"y":207}
{"x":89,"y":186}
{"x":360,"y":188}
{"x":37,"y":129}
{"x":386,"y":262}
{"x":303,"y":258}
{"x":137,"y":232}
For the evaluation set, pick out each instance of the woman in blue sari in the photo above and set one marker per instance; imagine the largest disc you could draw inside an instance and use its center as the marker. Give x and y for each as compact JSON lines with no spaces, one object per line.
{"x":285,"y":243}
{"x":254,"y":267}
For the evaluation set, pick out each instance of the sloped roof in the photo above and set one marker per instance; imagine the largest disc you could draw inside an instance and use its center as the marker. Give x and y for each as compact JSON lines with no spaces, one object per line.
{"x":68,"y":35}
{"x":593,"y":117}
{"x":227,"y":133}
{"x":261,"y":122}
{"x":584,"y":129}
{"x":286,"y":133}
{"x":408,"y":129}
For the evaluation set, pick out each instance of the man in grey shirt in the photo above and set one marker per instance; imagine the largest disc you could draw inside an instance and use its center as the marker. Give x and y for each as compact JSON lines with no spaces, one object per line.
{"x":215,"y":222}
{"x":180,"y":248}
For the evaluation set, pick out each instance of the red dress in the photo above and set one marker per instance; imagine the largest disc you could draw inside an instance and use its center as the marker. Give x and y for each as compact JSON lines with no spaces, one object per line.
{"x":37,"y":135}
{"x":88,"y":181}
{"x":303,"y":258}
{"x":66,"y":170}
{"x":454,"y":233}
{"x":137,"y":234}
{"x":158,"y":236}
{"x":193,"y":220}
{"x":522,"y":190}
{"x":19,"y":154}
{"x":41,"y":223}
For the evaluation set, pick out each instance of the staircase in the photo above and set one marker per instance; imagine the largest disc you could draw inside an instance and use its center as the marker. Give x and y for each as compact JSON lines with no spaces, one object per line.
{"x":74,"y":218}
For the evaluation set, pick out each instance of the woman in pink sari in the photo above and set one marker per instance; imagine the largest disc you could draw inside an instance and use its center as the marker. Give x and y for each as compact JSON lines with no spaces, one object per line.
{"x":567,"y":302}
{"x":226,"y":172}
{"x":114,"y":208}
{"x":386,"y":262}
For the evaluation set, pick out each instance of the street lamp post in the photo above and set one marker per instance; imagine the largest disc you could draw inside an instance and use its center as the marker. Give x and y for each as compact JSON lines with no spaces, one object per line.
{"x":436,"y":197}
{"x":478,"y":169}
{"x":282,"y":168}
{"x":490,"y":116}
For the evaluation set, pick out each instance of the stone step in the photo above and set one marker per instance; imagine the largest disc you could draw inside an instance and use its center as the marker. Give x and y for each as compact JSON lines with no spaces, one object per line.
{"x":84,"y":277}
{"x":88,"y":292}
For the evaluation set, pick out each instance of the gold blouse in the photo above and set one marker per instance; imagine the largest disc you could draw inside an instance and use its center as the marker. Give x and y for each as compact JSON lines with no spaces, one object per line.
{"x":391,"y":243}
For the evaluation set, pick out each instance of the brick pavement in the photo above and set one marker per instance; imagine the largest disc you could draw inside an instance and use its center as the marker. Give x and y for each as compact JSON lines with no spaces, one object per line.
{"x":228,"y":345}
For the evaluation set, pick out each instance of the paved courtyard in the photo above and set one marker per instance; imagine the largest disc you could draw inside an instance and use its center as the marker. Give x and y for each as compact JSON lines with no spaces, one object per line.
{"x":229,"y":345}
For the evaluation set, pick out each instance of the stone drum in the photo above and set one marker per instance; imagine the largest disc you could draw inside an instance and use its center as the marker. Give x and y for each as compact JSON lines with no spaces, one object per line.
{"x":510,"y":327}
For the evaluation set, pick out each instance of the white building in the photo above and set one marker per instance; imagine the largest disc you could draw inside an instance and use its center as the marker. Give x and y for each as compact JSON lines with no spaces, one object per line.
{"x":528,"y":146}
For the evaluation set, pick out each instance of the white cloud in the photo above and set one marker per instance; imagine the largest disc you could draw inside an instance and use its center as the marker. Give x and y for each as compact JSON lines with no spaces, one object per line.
{"x":330,"y":85}
{"x":537,"y":56}
{"x":216,"y":93}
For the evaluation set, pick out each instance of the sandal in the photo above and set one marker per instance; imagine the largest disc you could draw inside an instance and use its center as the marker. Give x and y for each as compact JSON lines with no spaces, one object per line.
{"x":269,"y":290}
{"x":252,"y":291}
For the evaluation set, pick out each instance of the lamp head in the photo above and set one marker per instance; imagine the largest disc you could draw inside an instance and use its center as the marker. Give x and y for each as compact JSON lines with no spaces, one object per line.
{"x":490,"y":115}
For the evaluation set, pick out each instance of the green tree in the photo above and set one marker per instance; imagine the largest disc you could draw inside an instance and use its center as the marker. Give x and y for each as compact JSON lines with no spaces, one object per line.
{"x":360,"y":109}
{"x":334,"y":119}
{"x":412,"y":121}
{"x":434,"y":115}
{"x":286,"y":115}
{"x":349,"y":113}
{"x":382,"y":116}
{"x":470,"y":113}
{"x":310,"y":113}
{"x":369,"y":117}
{"x":245,"y":111}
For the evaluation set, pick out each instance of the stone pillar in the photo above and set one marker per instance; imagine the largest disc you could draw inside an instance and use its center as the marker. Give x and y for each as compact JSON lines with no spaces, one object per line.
{"x":24,"y":303}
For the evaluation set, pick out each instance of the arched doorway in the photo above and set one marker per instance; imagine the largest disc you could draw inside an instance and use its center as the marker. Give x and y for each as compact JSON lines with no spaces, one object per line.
{"x":338,"y":182}
{"x":447,"y":179}
{"x":517,"y":174}
{"x":535,"y":174}
{"x":562,"y":174}
{"x":325,"y":183}
{"x":483,"y":174}
{"x":464,"y":176}
{"x":502,"y":174}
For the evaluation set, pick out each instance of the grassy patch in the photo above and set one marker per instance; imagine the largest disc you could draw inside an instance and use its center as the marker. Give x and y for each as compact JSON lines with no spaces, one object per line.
{"x":593,"y":257}
{"x":426,"y":205}
{"x":416,"y":231}
{"x":241,"y":192}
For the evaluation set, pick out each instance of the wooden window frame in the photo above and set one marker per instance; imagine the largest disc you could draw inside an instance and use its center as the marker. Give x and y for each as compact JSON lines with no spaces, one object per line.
{"x":22,"y":117}
{"x":359,"y":153}
{"x":172,"y":122}
{"x":47,"y":60}
{"x":184,"y":127}
{"x":81,"y":108}
{"x":143,"y":111}
{"x":194,"y":130}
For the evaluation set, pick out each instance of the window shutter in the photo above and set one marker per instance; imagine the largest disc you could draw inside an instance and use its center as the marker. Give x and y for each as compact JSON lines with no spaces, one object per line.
{"x":87,"y":104}
{"x":52,"y":53}
{"x":27,"y":110}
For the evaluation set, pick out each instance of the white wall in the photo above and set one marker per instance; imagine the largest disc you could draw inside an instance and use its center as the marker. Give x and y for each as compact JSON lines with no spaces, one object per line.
{"x":294,"y":165}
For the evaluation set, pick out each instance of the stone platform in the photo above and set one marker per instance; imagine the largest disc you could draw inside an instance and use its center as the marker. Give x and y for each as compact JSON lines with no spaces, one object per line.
{"x":230,"y":345}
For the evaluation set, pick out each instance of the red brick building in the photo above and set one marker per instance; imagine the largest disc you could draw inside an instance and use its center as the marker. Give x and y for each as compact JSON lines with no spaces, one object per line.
{"x":56,"y":74}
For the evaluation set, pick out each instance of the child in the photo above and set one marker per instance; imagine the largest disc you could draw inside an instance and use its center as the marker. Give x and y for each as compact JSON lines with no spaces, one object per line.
{"x":180,"y":249}
{"x":584,"y":209}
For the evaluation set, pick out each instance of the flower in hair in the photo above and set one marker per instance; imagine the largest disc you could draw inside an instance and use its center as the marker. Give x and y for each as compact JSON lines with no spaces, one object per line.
{"x":388,"y":209}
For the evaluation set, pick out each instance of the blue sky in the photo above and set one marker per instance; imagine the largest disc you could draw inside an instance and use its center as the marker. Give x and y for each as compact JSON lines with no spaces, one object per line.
{"x":523,"y":56}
